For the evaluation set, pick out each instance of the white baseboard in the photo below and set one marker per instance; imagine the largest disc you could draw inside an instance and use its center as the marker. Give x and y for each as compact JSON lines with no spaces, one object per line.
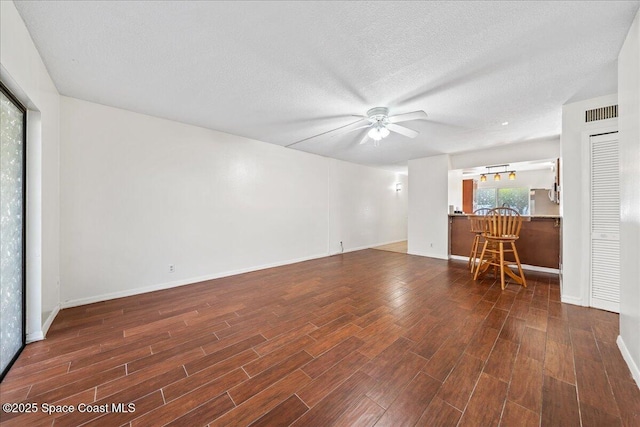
{"x":524,"y":266}
{"x":635,"y":372}
{"x":360,"y":248}
{"x":42,"y":333}
{"x":192,"y":280}
{"x":540,"y":269}
{"x":429,"y":255}
{"x":388,"y":243}
{"x":47,"y":324}
{"x":34,"y":336}
{"x":182,"y":282}
{"x":573,"y":300}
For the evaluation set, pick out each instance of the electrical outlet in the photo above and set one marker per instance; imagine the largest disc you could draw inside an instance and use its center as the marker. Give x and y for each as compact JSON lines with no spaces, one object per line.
{"x":172,"y":268}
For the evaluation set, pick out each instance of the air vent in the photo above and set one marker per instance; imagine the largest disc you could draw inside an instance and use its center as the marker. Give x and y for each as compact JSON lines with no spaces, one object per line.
{"x":601,"y":113}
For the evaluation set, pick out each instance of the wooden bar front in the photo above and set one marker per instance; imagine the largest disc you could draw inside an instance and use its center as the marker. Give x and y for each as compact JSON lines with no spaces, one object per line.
{"x":538,"y":245}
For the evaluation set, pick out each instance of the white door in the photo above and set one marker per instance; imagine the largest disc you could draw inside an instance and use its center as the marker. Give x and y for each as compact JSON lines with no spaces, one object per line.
{"x":605,"y":222}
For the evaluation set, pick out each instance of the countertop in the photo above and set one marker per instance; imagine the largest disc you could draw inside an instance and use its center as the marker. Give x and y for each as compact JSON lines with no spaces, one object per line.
{"x":524,"y":216}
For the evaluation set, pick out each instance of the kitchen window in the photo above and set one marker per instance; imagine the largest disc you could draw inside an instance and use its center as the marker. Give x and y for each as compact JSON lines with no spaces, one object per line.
{"x":515,"y":198}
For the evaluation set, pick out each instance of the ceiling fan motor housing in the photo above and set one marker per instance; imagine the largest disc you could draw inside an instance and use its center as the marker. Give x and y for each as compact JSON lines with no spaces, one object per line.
{"x":378,"y":114}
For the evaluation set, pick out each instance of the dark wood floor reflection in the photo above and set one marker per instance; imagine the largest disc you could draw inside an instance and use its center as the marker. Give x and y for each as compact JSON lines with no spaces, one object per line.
{"x":365,"y":338}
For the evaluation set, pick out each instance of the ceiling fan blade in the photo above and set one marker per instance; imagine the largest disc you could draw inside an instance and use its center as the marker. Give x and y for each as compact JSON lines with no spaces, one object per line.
{"x":341,"y":129}
{"x":342,"y":132}
{"x":410,"y":133}
{"x":415,"y":115}
{"x":364,"y":138}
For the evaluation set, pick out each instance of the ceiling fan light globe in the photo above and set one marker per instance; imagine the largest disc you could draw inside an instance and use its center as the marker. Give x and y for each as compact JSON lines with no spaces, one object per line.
{"x":375,"y":134}
{"x":384,"y":132}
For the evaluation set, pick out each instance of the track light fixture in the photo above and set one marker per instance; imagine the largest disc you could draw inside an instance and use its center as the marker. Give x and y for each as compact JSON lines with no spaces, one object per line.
{"x":497,"y":176}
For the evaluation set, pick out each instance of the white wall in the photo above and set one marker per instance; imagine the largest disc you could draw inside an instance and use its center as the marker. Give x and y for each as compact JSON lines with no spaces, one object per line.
{"x":23,"y":71}
{"x":574,"y":200}
{"x":541,"y":149}
{"x":365,"y":208}
{"x":629,"y":121}
{"x":428,"y":207}
{"x":455,"y":189}
{"x":140,"y":193}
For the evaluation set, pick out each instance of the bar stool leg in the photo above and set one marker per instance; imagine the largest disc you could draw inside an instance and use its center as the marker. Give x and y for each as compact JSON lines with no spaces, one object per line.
{"x":515,"y":254}
{"x":495,"y":258}
{"x":474,"y":252}
{"x":501,"y":265}
{"x":484,"y":247}
{"x":472,"y":262}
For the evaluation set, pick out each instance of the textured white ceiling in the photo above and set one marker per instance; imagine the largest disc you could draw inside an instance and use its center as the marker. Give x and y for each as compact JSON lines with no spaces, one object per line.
{"x":283,"y":71}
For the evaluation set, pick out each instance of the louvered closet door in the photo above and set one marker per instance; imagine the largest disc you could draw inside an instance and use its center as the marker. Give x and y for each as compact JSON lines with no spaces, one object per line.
{"x":605,"y":223}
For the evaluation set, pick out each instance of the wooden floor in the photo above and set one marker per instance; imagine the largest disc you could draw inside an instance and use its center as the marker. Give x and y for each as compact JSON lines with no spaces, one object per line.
{"x":400,"y":247}
{"x":365,"y":338}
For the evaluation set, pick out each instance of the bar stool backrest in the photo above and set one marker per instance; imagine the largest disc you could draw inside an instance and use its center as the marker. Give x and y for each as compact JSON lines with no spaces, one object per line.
{"x":478,"y":220}
{"x":478,"y":223}
{"x":504,"y":222}
{"x":481,"y":211}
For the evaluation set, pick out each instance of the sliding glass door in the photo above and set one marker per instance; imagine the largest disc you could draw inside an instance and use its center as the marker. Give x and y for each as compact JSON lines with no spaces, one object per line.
{"x":12,"y":229}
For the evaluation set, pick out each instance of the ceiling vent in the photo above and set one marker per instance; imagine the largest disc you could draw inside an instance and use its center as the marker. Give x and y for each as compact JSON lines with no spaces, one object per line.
{"x":601,"y":113}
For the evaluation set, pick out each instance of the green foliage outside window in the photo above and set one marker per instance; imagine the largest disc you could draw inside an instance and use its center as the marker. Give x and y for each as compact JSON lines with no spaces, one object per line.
{"x":515,"y":198}
{"x":485,"y":198}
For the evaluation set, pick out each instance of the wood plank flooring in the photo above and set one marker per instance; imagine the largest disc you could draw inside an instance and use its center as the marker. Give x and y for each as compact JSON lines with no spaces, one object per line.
{"x":400,"y":247}
{"x":360,"y":339}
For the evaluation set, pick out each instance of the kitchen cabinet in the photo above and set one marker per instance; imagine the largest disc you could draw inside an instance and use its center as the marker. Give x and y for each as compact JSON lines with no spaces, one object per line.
{"x":469,"y":187}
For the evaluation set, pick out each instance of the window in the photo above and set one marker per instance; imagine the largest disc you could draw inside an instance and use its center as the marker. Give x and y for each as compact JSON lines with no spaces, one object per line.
{"x":516,"y":198}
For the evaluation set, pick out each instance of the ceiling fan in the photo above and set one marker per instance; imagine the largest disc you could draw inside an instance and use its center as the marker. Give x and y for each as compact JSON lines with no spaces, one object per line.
{"x":380,"y":125}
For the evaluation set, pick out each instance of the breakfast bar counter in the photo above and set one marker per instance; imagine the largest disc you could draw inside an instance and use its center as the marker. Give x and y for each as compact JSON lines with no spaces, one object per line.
{"x":538,"y":245}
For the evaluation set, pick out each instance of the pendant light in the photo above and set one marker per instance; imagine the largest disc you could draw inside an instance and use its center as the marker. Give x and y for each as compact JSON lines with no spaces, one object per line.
{"x":496,"y":177}
{"x":483,"y":178}
{"x":512,"y":175}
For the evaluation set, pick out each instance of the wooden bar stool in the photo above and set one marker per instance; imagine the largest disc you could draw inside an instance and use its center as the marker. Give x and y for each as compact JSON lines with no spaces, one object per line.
{"x":503,"y":228}
{"x":478,"y":227}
